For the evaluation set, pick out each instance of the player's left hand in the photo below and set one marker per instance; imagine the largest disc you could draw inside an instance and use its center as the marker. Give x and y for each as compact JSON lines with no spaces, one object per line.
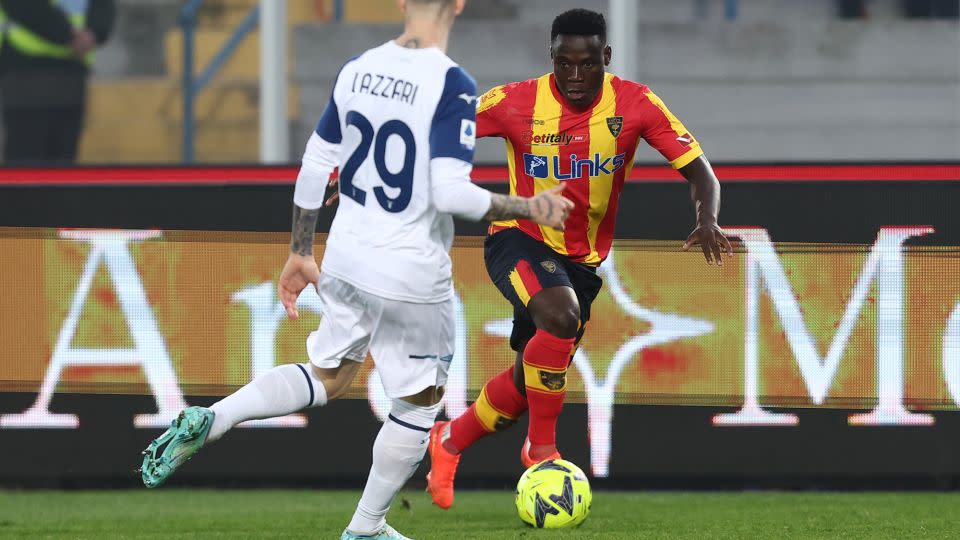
{"x":336,"y":194}
{"x":712,"y":241}
{"x":299,"y":272}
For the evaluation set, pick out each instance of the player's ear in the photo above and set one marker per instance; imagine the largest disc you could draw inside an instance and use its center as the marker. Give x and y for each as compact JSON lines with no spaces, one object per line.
{"x":459,"y":6}
{"x":402,"y":4}
{"x":607,"y":55}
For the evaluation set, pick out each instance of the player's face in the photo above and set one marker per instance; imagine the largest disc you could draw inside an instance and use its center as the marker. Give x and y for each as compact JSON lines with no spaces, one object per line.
{"x":578,"y":65}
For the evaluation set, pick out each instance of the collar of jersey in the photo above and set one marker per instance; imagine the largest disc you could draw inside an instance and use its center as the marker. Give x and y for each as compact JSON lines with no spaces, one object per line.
{"x":397,"y":45}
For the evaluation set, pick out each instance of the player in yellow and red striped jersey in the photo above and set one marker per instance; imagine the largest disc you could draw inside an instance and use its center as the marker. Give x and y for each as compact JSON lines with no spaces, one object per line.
{"x":550,"y":141}
{"x":580,"y":126}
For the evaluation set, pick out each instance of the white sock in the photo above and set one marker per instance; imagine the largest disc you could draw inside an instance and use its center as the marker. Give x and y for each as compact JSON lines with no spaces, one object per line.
{"x":397,"y":452}
{"x":282,"y":390}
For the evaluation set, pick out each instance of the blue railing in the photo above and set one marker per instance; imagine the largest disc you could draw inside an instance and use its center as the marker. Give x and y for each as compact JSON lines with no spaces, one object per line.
{"x":192,"y":86}
{"x":731,"y":9}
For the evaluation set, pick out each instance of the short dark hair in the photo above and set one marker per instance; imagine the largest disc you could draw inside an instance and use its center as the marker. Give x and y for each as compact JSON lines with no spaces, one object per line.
{"x":443,"y":3}
{"x":579,"y":22}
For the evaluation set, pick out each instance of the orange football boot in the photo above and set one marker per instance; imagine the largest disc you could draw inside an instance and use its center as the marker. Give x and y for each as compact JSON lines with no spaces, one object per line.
{"x":443,"y":468}
{"x":530,"y":462}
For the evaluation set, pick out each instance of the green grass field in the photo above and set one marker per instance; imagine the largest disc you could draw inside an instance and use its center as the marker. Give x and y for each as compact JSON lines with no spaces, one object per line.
{"x":175,"y":513}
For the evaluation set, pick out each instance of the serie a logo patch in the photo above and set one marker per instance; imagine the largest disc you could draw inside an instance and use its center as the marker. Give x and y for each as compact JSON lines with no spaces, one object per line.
{"x":468,"y":134}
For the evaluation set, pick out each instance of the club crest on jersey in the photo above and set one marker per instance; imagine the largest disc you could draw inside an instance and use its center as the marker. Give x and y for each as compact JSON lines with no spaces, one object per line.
{"x":536,"y":166}
{"x":549,"y":266}
{"x":615,"y":124}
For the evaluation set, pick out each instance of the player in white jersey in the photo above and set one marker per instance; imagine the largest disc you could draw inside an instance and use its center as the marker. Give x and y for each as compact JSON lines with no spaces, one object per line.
{"x":401,"y":126}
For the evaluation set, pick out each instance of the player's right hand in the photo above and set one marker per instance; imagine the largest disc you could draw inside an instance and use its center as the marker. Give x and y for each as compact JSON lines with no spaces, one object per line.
{"x":550,"y":208}
{"x":299,"y":271}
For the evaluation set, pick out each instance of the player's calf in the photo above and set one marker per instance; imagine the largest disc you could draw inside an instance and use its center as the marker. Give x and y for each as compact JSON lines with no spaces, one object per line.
{"x":280,"y":391}
{"x":545,"y":362}
{"x":556,"y":313}
{"x":497,"y":408}
{"x":397,"y":452}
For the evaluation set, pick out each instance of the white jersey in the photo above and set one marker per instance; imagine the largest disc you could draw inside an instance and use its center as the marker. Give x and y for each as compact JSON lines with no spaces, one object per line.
{"x":397,"y":121}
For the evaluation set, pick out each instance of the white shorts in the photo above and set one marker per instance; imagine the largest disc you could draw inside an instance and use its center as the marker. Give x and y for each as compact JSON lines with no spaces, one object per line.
{"x":411,"y":344}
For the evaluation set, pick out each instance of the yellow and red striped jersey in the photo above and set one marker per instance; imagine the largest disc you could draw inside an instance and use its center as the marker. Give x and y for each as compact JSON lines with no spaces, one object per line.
{"x":592,"y":151}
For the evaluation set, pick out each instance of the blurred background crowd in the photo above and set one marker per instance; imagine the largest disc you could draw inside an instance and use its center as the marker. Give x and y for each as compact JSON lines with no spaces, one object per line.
{"x":101,"y":81}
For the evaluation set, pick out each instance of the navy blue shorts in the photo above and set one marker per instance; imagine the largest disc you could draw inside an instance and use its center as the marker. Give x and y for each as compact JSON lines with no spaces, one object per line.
{"x":521,"y":266}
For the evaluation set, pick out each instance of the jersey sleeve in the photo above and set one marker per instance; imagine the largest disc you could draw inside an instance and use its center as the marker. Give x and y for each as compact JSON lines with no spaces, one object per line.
{"x":453,"y":137}
{"x":664,"y":132}
{"x":319,"y":158}
{"x":45,"y":19}
{"x":328,"y":128}
{"x":453,"y":133}
{"x":322,"y":154}
{"x":319,"y":161}
{"x":489,"y":112}
{"x":454,"y":193}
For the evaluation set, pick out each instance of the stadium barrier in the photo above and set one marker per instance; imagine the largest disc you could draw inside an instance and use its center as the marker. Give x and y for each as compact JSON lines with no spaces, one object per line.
{"x":825,"y":353}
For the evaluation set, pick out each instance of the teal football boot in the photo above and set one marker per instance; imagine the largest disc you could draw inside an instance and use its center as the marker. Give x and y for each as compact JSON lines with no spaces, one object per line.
{"x":386,"y":533}
{"x":186,"y":435}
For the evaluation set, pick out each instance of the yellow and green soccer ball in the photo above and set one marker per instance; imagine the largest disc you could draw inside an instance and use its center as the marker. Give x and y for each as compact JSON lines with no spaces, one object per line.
{"x":553,"y":494}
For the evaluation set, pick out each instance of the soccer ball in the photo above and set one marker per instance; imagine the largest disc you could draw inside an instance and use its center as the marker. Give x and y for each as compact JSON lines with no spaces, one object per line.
{"x":553,"y":494}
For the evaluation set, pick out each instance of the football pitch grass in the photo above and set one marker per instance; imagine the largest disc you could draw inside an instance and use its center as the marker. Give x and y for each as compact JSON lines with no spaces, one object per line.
{"x":193,"y":513}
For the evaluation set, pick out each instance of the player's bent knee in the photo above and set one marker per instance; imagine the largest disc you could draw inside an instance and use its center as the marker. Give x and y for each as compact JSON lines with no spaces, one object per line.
{"x":413,"y":421}
{"x":562,"y":324}
{"x":427,"y":397}
{"x":556,"y":311}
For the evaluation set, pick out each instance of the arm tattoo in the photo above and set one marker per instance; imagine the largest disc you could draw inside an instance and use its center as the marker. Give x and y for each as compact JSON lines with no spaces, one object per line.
{"x":506,"y":207}
{"x":303,"y":229}
{"x":412,"y":43}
